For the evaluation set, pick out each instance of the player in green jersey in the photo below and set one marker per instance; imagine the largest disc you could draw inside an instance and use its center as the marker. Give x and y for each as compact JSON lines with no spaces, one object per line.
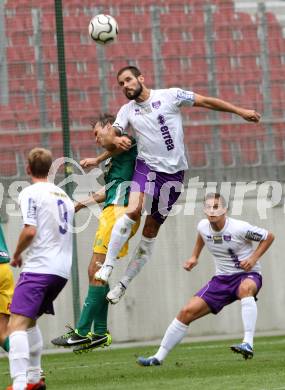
{"x":6,"y":291}
{"x":118,"y":174}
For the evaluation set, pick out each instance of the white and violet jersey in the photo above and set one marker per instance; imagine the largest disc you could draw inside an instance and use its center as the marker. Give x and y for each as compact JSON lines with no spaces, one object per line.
{"x":158,"y":126}
{"x":51,"y":211}
{"x":231,"y":244}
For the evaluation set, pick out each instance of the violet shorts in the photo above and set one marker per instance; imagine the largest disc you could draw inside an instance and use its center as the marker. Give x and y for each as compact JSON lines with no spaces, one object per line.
{"x":34,"y":294}
{"x":161,"y":189}
{"x":222,"y":290}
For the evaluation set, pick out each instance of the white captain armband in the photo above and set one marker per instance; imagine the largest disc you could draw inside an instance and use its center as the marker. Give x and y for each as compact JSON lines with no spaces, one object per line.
{"x":119,"y":130}
{"x":253,"y":236}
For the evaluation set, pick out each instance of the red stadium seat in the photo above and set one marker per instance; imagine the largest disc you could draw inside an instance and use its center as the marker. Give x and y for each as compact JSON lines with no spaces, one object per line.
{"x":83,"y":144}
{"x":9,"y":166}
{"x":184,"y":59}
{"x":198,"y":140}
{"x":279,"y":142}
{"x":8,"y":120}
{"x":14,"y":150}
{"x":243,"y":138}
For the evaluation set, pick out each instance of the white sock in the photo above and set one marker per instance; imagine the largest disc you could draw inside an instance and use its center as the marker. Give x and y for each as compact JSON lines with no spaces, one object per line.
{"x":19,"y":358}
{"x":249,"y":316}
{"x":36,"y":346}
{"x":139,"y":258}
{"x":19,"y":385}
{"x":120,"y":234}
{"x":173,"y":335}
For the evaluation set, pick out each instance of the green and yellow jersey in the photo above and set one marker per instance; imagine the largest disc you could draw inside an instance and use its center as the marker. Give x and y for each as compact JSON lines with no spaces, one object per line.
{"x":4,"y":254}
{"x":118,"y":175}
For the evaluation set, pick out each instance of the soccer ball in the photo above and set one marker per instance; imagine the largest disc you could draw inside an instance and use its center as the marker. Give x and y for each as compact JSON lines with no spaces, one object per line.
{"x":103,"y":29}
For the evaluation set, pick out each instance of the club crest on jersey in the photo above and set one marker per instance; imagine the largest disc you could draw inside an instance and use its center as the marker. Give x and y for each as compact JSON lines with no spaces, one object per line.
{"x":217,"y":239}
{"x":209,"y":238}
{"x":227,"y":237}
{"x":137,"y":111}
{"x":156,"y":105}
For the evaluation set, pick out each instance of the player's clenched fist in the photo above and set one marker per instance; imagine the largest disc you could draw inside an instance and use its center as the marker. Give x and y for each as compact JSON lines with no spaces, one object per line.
{"x":191,"y":263}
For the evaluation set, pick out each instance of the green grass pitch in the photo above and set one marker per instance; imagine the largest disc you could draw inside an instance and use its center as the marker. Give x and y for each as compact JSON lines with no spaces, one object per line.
{"x":196,"y":366}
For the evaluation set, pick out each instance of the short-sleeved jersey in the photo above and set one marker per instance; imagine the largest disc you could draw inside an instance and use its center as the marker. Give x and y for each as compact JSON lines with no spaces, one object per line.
{"x":118,"y":175}
{"x":158,"y":126}
{"x":4,"y":254}
{"x":231,"y":244}
{"x":51,"y":211}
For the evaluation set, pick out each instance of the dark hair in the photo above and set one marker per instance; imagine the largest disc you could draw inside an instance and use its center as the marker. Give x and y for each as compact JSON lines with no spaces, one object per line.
{"x":133,"y":69}
{"x":103,"y":119}
{"x":39,"y":160}
{"x":216,"y":195}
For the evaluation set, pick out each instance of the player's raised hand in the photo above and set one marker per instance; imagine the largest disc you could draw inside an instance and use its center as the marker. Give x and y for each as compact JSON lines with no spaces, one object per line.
{"x":247,"y":264}
{"x":250,"y":115}
{"x":190,"y":263}
{"x":89,"y":162}
{"x":123,"y":142}
{"x":17,"y":261}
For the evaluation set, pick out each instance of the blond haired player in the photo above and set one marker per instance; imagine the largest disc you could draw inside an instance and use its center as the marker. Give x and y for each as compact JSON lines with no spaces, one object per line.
{"x":47,"y":213}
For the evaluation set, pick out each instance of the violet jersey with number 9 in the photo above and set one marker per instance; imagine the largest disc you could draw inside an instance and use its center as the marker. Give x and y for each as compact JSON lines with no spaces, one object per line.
{"x":51,"y":211}
{"x":232,"y":244}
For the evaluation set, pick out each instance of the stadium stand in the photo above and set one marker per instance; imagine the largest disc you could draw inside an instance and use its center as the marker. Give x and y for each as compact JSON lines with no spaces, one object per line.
{"x":219,"y":58}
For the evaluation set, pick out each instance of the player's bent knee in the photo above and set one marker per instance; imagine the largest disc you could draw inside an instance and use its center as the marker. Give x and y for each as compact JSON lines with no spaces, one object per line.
{"x":247,"y":289}
{"x":186,"y":315}
{"x":247,"y":292}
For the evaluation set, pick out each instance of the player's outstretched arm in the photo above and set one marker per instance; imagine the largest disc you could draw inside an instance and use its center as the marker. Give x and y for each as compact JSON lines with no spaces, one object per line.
{"x":95,"y":161}
{"x":193,"y":261}
{"x":114,"y":144}
{"x":262,"y":247}
{"x":221,"y":105}
{"x":97,"y":197}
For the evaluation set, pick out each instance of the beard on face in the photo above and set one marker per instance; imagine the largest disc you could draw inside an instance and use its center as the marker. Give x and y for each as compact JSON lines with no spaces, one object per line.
{"x":136,"y":92}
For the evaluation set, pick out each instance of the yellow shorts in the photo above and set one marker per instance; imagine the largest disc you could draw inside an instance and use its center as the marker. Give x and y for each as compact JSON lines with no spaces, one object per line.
{"x":107,"y":220}
{"x":6,"y":288}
